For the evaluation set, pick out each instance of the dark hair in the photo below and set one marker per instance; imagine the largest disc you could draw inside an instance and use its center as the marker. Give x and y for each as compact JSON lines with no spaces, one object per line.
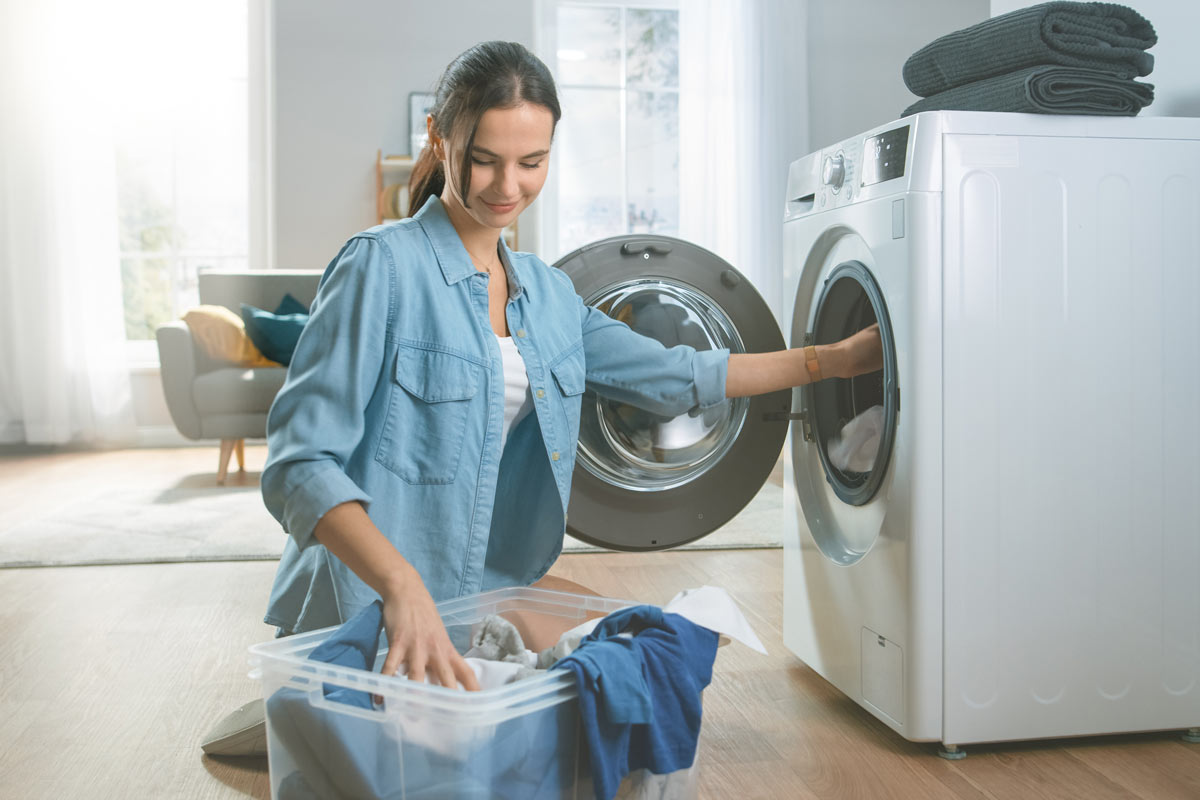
{"x":489,"y":75}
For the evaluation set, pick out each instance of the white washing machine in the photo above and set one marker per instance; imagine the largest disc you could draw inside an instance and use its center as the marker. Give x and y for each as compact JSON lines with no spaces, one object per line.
{"x":1021,"y":559}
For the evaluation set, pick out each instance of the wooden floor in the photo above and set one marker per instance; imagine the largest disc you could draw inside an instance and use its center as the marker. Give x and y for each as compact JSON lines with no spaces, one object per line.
{"x":109,"y":676}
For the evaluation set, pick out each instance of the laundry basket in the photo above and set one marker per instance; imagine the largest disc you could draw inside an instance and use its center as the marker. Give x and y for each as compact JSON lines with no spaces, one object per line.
{"x":522,"y":740}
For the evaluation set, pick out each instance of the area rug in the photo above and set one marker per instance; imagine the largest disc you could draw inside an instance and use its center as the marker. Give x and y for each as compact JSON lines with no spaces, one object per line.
{"x":192,"y":522}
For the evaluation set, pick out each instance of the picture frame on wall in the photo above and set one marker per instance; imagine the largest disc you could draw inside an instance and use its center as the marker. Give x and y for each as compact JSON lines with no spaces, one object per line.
{"x":419,"y":104}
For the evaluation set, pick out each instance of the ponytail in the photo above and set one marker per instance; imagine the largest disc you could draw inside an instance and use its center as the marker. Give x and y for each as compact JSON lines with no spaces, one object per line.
{"x":428,"y":178}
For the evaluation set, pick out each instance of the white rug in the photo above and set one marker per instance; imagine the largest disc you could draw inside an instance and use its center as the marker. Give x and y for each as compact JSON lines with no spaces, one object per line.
{"x":213,"y":523}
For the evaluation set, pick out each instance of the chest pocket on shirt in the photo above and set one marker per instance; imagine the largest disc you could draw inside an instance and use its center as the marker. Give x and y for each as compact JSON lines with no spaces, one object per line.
{"x":570,"y":373}
{"x":427,"y":415}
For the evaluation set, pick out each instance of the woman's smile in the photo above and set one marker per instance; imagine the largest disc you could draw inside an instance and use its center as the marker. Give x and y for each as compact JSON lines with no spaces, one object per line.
{"x":500,"y":208}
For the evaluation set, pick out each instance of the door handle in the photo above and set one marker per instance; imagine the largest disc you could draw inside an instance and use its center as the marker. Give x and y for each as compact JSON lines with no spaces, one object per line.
{"x":644,"y":249}
{"x":792,"y":416}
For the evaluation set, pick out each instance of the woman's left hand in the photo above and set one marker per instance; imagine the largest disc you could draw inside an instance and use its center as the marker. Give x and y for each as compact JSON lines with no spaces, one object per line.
{"x":860,"y":353}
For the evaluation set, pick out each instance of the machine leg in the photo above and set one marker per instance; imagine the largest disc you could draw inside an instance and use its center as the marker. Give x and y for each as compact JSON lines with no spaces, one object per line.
{"x":1192,"y":735}
{"x":950,"y":752}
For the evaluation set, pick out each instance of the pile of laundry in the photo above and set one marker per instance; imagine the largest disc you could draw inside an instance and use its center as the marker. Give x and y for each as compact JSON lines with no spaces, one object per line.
{"x":639,"y":673}
{"x":1053,"y":58}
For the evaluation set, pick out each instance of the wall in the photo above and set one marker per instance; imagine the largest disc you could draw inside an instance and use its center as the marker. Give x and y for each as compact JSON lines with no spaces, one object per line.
{"x":342,"y":75}
{"x":1176,"y":75}
{"x":856,"y":49}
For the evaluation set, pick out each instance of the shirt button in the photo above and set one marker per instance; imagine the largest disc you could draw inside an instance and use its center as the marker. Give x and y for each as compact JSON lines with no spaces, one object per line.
{"x":520,"y":333}
{"x":540,"y":393}
{"x":554,"y":456}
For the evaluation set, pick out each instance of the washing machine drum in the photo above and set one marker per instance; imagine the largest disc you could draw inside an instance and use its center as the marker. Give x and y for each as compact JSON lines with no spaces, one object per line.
{"x":644,"y":481}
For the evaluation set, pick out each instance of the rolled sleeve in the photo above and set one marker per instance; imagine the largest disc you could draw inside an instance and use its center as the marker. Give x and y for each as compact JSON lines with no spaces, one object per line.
{"x":709,"y":371}
{"x":310,"y":490}
{"x":318,"y":418}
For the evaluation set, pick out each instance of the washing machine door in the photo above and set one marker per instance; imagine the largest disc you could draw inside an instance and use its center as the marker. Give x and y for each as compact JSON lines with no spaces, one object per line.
{"x":845,"y":429}
{"x":647,"y":482}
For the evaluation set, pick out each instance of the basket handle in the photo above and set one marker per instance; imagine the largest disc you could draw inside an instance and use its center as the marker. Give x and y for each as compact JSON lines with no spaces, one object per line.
{"x":317,"y":699}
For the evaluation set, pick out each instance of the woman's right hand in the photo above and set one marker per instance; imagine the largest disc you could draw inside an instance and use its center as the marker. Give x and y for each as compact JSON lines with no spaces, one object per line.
{"x":417,"y":637}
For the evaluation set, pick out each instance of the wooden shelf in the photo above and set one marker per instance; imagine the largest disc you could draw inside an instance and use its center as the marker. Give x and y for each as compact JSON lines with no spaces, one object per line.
{"x":391,"y":186}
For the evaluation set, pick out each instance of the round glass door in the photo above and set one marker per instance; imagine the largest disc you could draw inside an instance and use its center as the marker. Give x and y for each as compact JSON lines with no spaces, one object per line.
{"x":644,"y":481}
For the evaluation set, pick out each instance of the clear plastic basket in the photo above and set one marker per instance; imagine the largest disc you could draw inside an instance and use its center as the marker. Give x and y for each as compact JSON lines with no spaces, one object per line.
{"x":522,"y":740}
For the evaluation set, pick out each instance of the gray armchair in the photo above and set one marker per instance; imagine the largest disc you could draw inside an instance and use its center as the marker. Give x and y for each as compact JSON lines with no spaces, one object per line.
{"x":213,"y":399}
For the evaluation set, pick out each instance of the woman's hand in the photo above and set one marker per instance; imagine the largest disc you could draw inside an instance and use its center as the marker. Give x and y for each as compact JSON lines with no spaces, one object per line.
{"x":858,"y":354}
{"x":415,"y":633}
{"x":417,"y":637}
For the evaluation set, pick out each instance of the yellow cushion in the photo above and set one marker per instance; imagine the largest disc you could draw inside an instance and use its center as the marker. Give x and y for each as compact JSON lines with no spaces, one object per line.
{"x":222,"y":335}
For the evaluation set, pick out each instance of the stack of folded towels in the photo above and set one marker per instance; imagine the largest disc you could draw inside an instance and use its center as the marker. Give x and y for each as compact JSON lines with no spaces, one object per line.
{"x":1053,"y":58}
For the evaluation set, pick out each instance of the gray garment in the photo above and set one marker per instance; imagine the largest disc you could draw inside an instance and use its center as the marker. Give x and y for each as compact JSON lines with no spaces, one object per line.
{"x":497,"y":639}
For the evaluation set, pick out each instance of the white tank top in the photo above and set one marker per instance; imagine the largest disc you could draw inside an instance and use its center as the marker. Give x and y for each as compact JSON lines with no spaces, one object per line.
{"x":517,"y":400}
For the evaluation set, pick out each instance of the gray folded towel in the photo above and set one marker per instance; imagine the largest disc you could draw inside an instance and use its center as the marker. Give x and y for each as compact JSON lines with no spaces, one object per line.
{"x":1100,"y":36}
{"x":1045,"y":90}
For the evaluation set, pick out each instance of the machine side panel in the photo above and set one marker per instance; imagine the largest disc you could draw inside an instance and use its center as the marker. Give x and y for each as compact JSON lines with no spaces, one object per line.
{"x":1071,"y":339}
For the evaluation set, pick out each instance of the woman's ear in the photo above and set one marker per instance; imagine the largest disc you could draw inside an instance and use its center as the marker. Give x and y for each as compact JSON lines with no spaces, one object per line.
{"x":435,"y":141}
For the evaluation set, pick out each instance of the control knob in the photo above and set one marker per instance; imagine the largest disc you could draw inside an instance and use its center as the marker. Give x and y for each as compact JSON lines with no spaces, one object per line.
{"x":834,"y":171}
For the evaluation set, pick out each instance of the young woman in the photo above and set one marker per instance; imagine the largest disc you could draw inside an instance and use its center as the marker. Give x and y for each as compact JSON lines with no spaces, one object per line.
{"x":423,"y":444}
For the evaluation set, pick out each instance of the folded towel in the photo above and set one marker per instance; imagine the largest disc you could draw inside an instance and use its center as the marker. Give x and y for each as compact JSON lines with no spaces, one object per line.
{"x":1045,"y":90}
{"x":1101,"y":36}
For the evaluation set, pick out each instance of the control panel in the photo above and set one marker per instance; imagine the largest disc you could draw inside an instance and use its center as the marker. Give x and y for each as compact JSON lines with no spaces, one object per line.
{"x":847,"y":172}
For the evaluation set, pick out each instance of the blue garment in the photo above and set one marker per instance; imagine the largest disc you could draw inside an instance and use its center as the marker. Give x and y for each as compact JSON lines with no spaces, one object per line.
{"x":322,"y":751}
{"x":639,"y":697}
{"x":395,"y":398}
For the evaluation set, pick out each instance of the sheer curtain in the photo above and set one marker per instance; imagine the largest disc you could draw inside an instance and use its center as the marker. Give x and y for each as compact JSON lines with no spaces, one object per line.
{"x":63,"y":371}
{"x":743,"y":79}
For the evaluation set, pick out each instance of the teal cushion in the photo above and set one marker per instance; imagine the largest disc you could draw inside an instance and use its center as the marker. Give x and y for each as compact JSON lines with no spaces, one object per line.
{"x":274,"y":334}
{"x":290,"y":305}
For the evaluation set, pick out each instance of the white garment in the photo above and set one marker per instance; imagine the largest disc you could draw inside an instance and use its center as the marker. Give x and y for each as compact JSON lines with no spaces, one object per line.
{"x":855,"y":448}
{"x":517,"y":400}
{"x":707,"y":606}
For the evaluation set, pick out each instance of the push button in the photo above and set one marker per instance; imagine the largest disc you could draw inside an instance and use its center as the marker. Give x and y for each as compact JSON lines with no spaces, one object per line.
{"x":520,"y":333}
{"x":554,"y":456}
{"x":540,"y":394}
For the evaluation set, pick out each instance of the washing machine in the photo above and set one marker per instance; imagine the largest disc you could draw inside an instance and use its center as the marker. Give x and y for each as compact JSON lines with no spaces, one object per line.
{"x":1019,"y":558}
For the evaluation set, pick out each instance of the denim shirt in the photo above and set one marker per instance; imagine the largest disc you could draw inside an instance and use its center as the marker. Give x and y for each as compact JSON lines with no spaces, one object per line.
{"x":395,"y":398}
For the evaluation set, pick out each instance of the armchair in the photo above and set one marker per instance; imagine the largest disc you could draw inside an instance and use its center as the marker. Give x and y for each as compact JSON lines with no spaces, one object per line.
{"x":211,"y":399}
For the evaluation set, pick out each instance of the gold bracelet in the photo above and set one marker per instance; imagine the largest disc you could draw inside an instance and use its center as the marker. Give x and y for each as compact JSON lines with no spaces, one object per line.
{"x":812,"y":364}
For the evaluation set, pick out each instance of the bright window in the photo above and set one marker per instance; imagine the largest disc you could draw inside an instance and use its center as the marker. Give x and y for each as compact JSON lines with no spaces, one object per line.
{"x":617,"y":146}
{"x":182,"y":152}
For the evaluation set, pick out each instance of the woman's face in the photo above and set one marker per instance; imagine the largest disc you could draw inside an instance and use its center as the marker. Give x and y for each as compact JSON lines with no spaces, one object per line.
{"x":509,"y":160}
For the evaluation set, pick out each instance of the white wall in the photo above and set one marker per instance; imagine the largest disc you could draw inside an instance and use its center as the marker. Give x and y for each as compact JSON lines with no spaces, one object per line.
{"x":856,"y":49}
{"x":1176,"y":75}
{"x":342,"y":75}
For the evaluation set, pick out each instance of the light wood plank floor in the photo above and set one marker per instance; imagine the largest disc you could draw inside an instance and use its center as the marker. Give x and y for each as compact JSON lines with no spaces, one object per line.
{"x":109,"y":676}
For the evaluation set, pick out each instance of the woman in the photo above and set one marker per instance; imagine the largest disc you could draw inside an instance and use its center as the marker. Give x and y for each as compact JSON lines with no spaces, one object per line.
{"x":426,"y":434}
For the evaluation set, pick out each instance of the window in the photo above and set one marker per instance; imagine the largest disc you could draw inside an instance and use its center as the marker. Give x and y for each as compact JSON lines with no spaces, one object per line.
{"x":182,"y":153}
{"x":617,"y":148}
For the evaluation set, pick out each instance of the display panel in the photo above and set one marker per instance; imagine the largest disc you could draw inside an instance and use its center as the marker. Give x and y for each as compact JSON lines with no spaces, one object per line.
{"x":884,"y":156}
